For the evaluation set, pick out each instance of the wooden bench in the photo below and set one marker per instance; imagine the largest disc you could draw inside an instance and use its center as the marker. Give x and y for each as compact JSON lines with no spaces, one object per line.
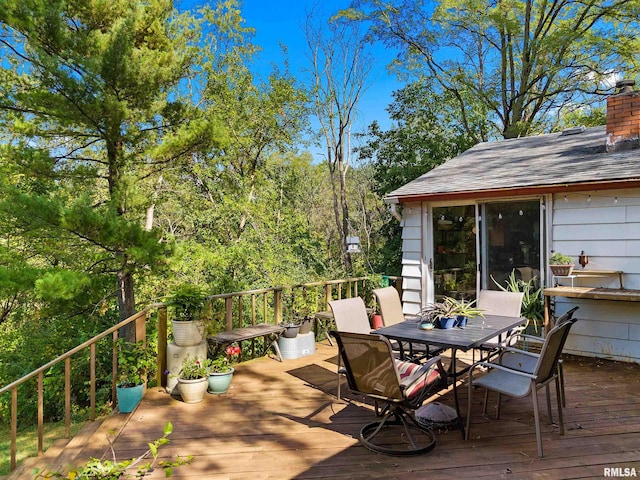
{"x":271,"y":333}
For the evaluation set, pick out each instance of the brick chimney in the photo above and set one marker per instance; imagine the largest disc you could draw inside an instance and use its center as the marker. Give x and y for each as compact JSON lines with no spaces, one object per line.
{"x":623,"y":118}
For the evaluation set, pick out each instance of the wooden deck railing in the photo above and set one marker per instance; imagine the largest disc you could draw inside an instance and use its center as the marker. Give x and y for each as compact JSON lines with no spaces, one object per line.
{"x":230,"y":310}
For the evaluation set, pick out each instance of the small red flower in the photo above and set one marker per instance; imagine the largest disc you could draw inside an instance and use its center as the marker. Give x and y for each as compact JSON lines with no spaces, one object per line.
{"x":232,"y":350}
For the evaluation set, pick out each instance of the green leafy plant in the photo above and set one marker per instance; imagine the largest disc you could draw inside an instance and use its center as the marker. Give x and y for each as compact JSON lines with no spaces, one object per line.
{"x":532,"y":300}
{"x":188,"y":301}
{"x":223,"y":363}
{"x":194,"y":368}
{"x":134,"y":362}
{"x":96,"y":469}
{"x":450,"y":307}
{"x":303,"y":306}
{"x":560,"y":259}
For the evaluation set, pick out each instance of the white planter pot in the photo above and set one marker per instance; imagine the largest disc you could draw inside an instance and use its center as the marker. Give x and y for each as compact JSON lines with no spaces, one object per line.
{"x":187,"y":334}
{"x":192,"y":391}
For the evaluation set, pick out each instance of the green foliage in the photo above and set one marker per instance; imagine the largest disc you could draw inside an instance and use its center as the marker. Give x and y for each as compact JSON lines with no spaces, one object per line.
{"x":195,"y":368}
{"x":560,"y":259}
{"x":425,"y":134}
{"x":188,"y":301}
{"x":518,"y":64}
{"x":134,"y":362}
{"x":532,"y":301}
{"x":96,"y":469}
{"x":449,"y":308}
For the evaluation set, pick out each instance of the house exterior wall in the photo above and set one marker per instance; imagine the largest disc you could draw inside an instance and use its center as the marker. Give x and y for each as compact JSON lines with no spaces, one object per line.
{"x":606,"y":226}
{"x":603,"y":224}
{"x":412,"y":260}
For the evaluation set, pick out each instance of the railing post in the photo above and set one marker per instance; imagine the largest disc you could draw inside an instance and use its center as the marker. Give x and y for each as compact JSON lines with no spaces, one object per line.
{"x":162,"y":347}
{"x":67,"y":397}
{"x":327,"y":295}
{"x":92,"y":382}
{"x":277,"y":306}
{"x":14,"y":426}
{"x":141,"y":329}
{"x":228,"y":313}
{"x":253,"y":309}
{"x":264,"y":307}
{"x":40,"y":411}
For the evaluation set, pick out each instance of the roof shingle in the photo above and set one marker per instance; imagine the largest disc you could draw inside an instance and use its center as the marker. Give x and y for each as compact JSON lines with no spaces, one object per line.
{"x":544,"y":160}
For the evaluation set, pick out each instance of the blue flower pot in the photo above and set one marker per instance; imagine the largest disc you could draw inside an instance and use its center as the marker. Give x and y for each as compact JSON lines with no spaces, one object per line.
{"x":447,"y":322}
{"x":461,"y":321}
{"x":129,"y":397}
{"x":219,"y":382}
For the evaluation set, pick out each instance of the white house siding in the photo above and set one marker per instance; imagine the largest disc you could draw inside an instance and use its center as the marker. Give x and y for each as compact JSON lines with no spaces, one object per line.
{"x":608,"y":231}
{"x":411,"y":258}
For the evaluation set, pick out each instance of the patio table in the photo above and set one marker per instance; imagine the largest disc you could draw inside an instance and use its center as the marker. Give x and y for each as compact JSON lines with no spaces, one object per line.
{"x":473,"y":335}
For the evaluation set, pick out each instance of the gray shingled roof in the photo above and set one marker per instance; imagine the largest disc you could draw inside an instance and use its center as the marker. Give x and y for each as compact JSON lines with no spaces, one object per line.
{"x":544,"y":160}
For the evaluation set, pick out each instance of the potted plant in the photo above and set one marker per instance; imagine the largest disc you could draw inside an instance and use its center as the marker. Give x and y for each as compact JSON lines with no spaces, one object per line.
{"x":193,"y":379}
{"x":303,"y":307}
{"x":221,"y":372}
{"x":449,"y":313}
{"x":561,"y":265}
{"x":532,"y":300}
{"x":134,"y":361}
{"x":289,"y":321}
{"x":189,"y":304}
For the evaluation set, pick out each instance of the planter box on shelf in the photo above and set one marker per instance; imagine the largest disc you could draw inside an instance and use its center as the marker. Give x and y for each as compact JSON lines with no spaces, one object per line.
{"x":561,"y":270}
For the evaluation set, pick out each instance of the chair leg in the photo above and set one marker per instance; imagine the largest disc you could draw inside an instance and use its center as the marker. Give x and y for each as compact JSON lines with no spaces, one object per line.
{"x":549,"y":414}
{"x":466,"y":430}
{"x":486,"y":400}
{"x":338,"y":376}
{"x":561,"y":376}
{"x":559,"y":400}
{"x":536,"y":416}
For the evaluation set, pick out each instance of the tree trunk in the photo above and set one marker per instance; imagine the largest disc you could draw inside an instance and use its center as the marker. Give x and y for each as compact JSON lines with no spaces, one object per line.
{"x":127,"y":304}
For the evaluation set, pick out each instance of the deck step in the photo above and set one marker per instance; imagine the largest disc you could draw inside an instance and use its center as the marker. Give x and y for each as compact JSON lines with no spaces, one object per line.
{"x":64,"y":453}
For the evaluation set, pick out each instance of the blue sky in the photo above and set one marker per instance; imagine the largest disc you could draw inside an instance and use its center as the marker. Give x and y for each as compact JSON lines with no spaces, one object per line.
{"x":280,"y":21}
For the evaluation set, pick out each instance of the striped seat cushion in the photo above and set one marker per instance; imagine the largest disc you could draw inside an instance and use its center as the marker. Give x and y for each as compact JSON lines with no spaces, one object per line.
{"x":408,"y":370}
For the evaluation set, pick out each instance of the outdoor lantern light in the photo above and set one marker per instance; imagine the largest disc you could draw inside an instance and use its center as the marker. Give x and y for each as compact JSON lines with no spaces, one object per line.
{"x":353,"y":244}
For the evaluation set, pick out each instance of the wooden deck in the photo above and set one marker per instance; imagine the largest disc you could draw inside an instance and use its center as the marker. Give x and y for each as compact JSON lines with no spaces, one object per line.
{"x":280,"y":421}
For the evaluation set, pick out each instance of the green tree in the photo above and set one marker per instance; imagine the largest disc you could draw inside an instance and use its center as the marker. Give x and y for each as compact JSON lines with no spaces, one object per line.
{"x":522,"y":60}
{"x":340,"y":59}
{"x":88,"y":93}
{"x":425,"y":133}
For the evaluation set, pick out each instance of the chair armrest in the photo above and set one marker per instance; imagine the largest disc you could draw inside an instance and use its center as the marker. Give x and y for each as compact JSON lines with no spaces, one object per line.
{"x":518,"y":351}
{"x":502,"y":368}
{"x":530,"y":338}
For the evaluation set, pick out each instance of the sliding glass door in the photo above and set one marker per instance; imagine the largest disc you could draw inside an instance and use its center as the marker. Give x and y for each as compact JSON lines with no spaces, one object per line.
{"x":482,"y":245}
{"x":454,"y":256}
{"x":510,"y":242}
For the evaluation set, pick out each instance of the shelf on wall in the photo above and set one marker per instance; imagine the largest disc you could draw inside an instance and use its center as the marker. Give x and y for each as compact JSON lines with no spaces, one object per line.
{"x":592,"y":274}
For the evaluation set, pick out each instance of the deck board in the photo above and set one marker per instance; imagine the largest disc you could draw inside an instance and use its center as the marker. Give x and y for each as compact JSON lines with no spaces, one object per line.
{"x":280,"y":421}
